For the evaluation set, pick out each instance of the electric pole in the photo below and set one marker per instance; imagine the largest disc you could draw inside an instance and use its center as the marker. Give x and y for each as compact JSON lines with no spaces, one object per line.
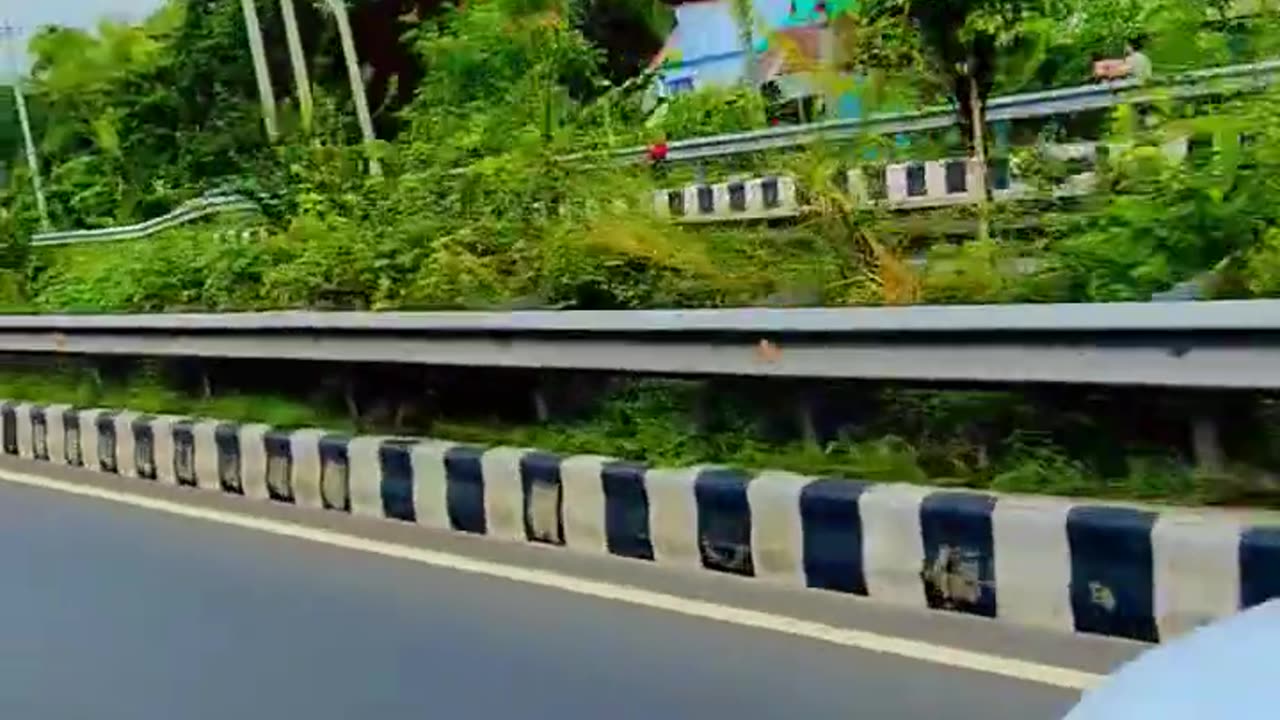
{"x":299,"y":63}
{"x":11,"y":39}
{"x":260,"y":70}
{"x":339,"y":9}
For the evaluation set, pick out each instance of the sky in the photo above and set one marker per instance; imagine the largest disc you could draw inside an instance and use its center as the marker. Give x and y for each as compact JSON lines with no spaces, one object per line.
{"x":30,"y":14}
{"x":27,"y":15}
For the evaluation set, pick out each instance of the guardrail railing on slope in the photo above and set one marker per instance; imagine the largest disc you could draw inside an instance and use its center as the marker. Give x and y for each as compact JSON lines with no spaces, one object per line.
{"x":916,"y":185}
{"x":185,"y":213}
{"x":1223,"y":344}
{"x":1094,"y":96}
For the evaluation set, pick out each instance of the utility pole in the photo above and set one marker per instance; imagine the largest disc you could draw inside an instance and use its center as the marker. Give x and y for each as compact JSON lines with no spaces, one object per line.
{"x":11,"y":38}
{"x":265,"y":93}
{"x":299,"y":62}
{"x":339,"y":9}
{"x":744,"y":14}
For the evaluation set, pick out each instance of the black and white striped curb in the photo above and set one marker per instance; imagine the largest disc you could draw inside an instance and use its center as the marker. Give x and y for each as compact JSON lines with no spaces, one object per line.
{"x":915,"y":185}
{"x":1073,"y":566}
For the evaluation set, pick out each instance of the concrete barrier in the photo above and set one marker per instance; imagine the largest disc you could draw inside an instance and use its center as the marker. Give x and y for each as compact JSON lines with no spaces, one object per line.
{"x":1135,"y":572}
{"x":25,"y":431}
{"x":56,"y":429}
{"x":747,"y":199}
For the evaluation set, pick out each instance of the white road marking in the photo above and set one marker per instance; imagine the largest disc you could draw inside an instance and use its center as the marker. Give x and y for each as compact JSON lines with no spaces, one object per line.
{"x":844,"y":637}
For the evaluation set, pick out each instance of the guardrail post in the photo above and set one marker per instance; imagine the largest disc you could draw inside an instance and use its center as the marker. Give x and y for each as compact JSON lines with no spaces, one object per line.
{"x":558,"y":396}
{"x":541,"y":407}
{"x":353,"y":405}
{"x":804,"y":399}
{"x":1206,"y":435}
{"x":1206,"y":443}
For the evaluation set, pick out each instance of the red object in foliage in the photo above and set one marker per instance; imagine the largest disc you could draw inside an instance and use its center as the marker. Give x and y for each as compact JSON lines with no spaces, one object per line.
{"x":658,"y":152}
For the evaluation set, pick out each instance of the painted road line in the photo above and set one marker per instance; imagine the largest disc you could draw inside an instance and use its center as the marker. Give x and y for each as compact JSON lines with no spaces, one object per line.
{"x":844,"y":637}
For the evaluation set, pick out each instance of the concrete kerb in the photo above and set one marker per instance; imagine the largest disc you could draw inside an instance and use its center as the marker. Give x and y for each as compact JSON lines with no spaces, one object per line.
{"x":1126,"y":570}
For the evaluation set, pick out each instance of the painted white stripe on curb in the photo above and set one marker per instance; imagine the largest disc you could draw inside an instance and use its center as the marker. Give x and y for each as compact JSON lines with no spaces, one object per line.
{"x":204,"y":436}
{"x":90,"y":455}
{"x":809,"y":630}
{"x":892,"y":545}
{"x":126,"y":443}
{"x":430,"y":483}
{"x":777,"y":531}
{"x":503,"y":493}
{"x":55,"y":422}
{"x":364,"y":475}
{"x":1033,"y":562}
{"x":26,"y":431}
{"x":163,"y":448}
{"x":673,"y":516}
{"x":1195,"y":571}
{"x":584,"y":503}
{"x":304,"y":453}
{"x":253,"y":461}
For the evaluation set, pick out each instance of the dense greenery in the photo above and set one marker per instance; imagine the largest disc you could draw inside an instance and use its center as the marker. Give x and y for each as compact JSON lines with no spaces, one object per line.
{"x":475,"y":210}
{"x":1063,"y":442}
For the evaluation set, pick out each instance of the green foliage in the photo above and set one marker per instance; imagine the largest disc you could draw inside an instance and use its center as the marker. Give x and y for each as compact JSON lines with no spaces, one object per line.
{"x":475,"y":211}
{"x":965,"y":45}
{"x":710,"y":111}
{"x":991,"y":272}
{"x":147,"y":393}
{"x":132,"y":119}
{"x":1164,"y":222}
{"x":968,"y":439}
{"x":1262,"y":266}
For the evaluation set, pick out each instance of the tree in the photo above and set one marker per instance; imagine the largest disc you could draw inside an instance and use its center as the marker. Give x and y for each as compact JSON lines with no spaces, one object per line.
{"x":965,"y":41}
{"x":10,"y":132}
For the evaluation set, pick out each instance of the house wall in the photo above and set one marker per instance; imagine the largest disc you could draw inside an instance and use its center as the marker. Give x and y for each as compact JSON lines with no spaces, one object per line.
{"x":705,"y":48}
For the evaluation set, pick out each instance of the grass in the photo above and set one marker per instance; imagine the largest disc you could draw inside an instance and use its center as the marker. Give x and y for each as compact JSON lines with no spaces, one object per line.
{"x":151,"y":397}
{"x":650,"y":422}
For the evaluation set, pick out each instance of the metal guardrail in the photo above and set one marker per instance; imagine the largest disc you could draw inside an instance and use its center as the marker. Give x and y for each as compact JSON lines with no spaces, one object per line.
{"x":1226,"y":344}
{"x":185,"y":213}
{"x":916,"y":185}
{"x":1235,"y":78}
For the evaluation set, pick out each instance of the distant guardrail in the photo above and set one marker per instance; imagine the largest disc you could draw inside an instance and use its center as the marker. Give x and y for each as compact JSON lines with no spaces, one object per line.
{"x":1234,"y":78}
{"x":213,"y":204}
{"x":915,"y":185}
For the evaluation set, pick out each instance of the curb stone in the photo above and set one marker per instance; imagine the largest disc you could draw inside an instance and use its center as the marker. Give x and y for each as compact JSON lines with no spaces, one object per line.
{"x":1146,"y":574}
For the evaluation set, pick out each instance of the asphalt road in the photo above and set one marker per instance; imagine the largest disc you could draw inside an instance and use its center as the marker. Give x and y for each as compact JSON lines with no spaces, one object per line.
{"x":109,"y":611}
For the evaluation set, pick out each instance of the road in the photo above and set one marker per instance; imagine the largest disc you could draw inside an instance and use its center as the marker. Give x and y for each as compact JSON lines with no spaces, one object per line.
{"x":111,"y":611}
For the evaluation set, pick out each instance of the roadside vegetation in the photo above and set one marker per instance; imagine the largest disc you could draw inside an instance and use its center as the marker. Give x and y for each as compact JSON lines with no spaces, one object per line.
{"x":475,"y":209}
{"x":1098,"y":443}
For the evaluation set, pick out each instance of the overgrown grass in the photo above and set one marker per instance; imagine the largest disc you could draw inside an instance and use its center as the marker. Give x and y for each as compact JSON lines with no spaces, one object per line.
{"x":653,"y":422}
{"x":148,"y":396}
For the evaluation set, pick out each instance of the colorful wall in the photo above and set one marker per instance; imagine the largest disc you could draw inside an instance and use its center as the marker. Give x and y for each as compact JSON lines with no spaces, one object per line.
{"x":705,"y":48}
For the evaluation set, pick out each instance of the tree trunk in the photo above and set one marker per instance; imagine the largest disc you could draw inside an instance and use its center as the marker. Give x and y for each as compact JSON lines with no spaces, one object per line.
{"x":977,"y":120}
{"x":744,"y":14}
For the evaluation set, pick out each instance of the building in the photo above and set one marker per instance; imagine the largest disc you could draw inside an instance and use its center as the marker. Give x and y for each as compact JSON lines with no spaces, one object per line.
{"x":790,"y":43}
